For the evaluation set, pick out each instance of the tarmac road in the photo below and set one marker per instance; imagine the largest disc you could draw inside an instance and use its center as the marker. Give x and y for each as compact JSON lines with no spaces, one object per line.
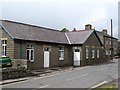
{"x":81,"y":77}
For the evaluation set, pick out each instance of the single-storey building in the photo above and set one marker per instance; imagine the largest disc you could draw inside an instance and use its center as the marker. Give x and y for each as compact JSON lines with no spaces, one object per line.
{"x":44,"y":47}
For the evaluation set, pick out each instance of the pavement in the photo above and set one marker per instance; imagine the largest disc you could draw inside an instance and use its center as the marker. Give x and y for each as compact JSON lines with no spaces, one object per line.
{"x":69,"y":77}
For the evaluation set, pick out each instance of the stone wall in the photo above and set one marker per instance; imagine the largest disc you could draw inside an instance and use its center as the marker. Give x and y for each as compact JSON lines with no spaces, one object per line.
{"x":91,"y":42}
{"x":19,"y":63}
{"x":18,"y":69}
{"x":10,"y":44}
{"x":12,"y":73}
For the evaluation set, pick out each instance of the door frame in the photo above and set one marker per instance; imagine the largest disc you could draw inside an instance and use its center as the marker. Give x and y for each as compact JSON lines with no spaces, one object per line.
{"x":46,"y":63}
{"x":79,"y":61}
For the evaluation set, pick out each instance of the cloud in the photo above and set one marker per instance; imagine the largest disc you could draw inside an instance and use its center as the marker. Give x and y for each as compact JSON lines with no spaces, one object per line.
{"x":0,"y":11}
{"x":86,"y":1}
{"x":59,"y":0}
{"x":63,"y":13}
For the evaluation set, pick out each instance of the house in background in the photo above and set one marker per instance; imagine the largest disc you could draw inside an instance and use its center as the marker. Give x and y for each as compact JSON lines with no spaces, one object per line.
{"x":119,"y":48}
{"x":44,"y":47}
{"x":106,"y":40}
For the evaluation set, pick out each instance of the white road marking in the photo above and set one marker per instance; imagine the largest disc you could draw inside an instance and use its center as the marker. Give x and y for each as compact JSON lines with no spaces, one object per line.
{"x":44,"y":86}
{"x":102,"y":69}
{"x":77,"y":77}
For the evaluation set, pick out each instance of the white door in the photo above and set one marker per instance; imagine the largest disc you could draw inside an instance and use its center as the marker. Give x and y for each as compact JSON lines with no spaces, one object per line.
{"x":46,"y":57}
{"x":76,"y":57}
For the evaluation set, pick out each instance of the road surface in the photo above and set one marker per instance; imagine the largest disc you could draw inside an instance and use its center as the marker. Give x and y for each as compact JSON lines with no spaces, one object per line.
{"x":80,"y":77}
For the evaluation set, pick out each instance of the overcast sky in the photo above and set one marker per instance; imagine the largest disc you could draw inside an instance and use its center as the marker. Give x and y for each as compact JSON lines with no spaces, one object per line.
{"x":59,"y":14}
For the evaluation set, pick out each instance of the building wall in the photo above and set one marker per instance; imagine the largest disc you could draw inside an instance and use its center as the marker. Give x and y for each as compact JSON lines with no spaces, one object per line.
{"x":54,"y":56}
{"x":39,"y":54}
{"x":68,"y":59}
{"x":10,"y":44}
{"x":115,"y":46}
{"x":106,"y":39}
{"x":17,"y":50}
{"x":0,"y":42}
{"x":119,"y":48}
{"x":92,"y":41}
{"x":107,"y":48}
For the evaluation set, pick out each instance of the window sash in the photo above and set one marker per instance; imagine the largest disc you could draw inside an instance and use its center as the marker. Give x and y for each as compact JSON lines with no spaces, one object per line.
{"x":98,"y":53}
{"x":4,"y":48}
{"x":87,"y":53}
{"x":93,"y":52}
{"x":30,"y":54}
{"x":61,"y":53}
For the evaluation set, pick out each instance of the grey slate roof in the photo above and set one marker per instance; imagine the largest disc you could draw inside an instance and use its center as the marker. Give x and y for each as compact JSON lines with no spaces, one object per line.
{"x":79,"y":37}
{"x":102,"y":35}
{"x":34,"y":33}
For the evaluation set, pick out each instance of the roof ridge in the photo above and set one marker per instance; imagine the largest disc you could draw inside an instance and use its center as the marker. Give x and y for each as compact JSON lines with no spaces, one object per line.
{"x":82,"y":30}
{"x":30,"y":25}
{"x":67,"y":38}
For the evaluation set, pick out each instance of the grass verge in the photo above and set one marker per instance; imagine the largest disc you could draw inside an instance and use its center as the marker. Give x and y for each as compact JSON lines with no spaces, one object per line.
{"x":110,"y":87}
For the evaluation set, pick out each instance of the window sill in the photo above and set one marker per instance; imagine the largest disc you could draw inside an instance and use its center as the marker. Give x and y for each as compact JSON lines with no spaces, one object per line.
{"x":31,"y":61}
{"x":61,"y":59}
{"x":3,"y":56}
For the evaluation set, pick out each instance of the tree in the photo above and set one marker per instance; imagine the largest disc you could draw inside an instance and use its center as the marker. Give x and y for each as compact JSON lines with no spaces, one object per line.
{"x":64,"y":30}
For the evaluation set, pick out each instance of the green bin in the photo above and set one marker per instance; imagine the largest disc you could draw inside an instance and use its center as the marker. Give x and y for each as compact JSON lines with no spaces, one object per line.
{"x":5,"y":62}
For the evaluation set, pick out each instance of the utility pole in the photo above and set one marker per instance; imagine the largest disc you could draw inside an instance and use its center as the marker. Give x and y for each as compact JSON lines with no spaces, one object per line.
{"x":111,"y":40}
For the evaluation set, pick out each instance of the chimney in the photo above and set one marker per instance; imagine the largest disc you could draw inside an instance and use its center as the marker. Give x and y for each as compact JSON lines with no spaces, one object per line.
{"x":88,"y":26}
{"x":104,"y":31}
{"x":74,"y":29}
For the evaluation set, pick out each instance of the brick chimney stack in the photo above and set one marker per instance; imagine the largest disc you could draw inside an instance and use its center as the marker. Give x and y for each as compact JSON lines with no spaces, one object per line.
{"x":104,"y":31}
{"x":88,"y":26}
{"x":74,"y":29}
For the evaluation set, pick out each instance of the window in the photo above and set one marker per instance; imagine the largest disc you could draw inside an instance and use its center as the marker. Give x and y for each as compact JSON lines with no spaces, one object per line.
{"x":4,"y":45}
{"x":98,"y":53}
{"x":115,"y":51}
{"x":61,"y":53}
{"x":106,"y":51}
{"x":46,"y":49}
{"x":106,"y":42}
{"x":87,"y":52}
{"x":93,"y":52}
{"x":30,"y":53}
